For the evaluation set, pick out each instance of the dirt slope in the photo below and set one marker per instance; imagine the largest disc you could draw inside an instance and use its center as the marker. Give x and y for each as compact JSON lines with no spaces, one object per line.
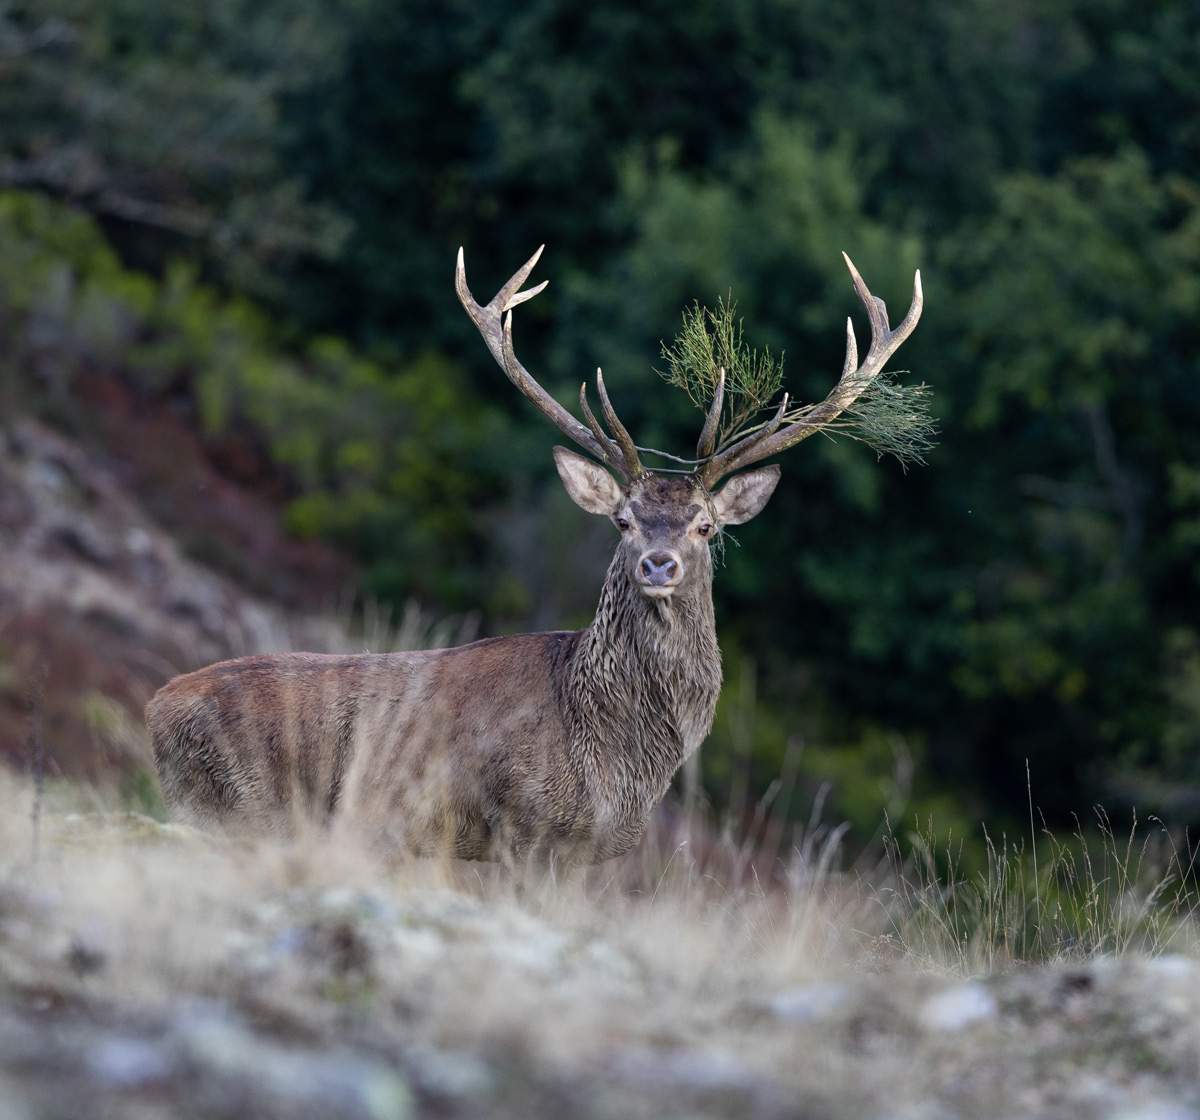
{"x":99,"y":605}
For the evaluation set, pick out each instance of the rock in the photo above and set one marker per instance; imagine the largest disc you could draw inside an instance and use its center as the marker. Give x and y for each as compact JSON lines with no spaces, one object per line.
{"x":811,"y":1002}
{"x":129,"y":1063}
{"x":330,"y":1082}
{"x":1156,"y":1110}
{"x":1171,"y":967}
{"x":962,"y":1006}
{"x":12,"y":1103}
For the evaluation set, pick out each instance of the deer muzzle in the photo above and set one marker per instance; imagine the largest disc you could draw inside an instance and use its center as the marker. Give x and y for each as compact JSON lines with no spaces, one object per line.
{"x":659,"y":573}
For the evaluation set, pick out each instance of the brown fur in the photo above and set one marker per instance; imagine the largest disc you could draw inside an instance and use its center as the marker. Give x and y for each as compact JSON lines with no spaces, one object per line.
{"x":550,"y":748}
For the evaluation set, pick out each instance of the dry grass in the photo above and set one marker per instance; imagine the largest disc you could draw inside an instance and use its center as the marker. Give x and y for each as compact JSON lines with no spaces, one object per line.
{"x":147,"y":970}
{"x":1095,"y":893}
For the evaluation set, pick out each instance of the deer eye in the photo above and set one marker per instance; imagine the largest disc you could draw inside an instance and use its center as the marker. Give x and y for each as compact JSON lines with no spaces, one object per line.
{"x":622,"y":524}
{"x":704,"y":529}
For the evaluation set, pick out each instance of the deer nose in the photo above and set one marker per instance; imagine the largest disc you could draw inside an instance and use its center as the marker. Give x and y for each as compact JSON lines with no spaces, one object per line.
{"x":660,"y":569}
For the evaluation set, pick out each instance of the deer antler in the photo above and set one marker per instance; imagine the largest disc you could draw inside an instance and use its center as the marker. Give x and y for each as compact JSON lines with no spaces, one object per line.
{"x":495,"y":325}
{"x":774,"y":436}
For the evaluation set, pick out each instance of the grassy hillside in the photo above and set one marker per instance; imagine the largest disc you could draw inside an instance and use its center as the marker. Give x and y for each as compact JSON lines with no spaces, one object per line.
{"x":146,"y":970}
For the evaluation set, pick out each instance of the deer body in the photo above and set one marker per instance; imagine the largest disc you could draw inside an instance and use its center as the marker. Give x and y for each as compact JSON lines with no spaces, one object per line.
{"x":537,"y":747}
{"x":545,"y":749}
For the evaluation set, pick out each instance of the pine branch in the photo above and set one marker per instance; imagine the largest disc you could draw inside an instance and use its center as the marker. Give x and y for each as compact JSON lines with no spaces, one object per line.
{"x":709,"y":342}
{"x":891,"y":418}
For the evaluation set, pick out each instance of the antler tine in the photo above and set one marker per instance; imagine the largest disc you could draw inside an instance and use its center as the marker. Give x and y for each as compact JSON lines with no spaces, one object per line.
{"x":504,"y":297}
{"x":708,"y":434}
{"x":717,"y":467}
{"x":851,"y":362}
{"x":854,"y":381}
{"x":487,"y":318}
{"x":885,"y":342}
{"x":623,"y":439}
{"x":593,"y":423}
{"x":629,"y":470}
{"x":494,"y":322}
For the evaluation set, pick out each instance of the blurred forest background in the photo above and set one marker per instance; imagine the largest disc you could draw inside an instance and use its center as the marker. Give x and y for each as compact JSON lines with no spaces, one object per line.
{"x":241,"y":217}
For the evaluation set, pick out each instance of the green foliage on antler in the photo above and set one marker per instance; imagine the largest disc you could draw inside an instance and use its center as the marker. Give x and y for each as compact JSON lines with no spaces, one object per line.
{"x":891,"y":418}
{"x":709,"y":342}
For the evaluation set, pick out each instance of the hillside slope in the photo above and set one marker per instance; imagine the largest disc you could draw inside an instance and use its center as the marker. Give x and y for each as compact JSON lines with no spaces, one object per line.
{"x":99,"y":605}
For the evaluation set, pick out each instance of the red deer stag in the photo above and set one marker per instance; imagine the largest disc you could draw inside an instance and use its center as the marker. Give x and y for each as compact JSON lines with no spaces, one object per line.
{"x":536,"y":749}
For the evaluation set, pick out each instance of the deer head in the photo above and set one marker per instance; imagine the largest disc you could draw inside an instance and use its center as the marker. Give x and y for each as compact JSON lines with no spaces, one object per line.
{"x":666,"y":522}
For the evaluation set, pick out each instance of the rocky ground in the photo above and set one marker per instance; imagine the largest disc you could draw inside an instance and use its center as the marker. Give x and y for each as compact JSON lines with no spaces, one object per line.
{"x":146,"y":971}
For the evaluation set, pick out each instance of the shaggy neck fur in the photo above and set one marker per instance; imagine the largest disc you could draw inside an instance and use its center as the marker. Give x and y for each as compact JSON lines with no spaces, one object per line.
{"x":642,"y":688}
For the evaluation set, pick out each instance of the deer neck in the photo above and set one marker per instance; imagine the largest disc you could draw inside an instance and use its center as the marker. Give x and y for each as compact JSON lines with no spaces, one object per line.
{"x":645,"y":678}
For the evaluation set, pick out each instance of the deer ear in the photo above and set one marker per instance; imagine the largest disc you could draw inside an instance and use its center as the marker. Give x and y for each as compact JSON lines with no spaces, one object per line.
{"x":591,"y":487}
{"x":744,"y":495}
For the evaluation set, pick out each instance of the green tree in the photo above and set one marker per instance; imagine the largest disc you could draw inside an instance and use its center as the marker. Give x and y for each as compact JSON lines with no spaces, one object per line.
{"x":163,"y":121}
